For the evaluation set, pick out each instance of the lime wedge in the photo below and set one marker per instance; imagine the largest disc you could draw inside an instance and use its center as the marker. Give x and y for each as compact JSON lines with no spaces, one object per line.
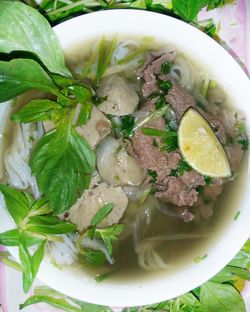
{"x":200,"y":147}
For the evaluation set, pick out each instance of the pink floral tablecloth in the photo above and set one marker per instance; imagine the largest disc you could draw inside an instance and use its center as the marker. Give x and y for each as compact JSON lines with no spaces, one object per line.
{"x":234,"y":28}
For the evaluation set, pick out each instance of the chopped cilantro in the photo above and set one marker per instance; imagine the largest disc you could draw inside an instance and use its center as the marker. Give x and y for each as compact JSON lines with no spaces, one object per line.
{"x":166,"y":85}
{"x":200,"y":258}
{"x":155,"y":143}
{"x":165,"y":68}
{"x":168,"y":138}
{"x":236,"y":215}
{"x":210,"y":29}
{"x":128,"y":124}
{"x":182,"y":167}
{"x":244,"y":142}
{"x":153,"y":175}
{"x":208,"y":180}
{"x":161,"y":102}
{"x":200,"y":189}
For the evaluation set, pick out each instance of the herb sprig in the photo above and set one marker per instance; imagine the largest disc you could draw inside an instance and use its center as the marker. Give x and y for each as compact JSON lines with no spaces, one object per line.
{"x":218,"y":294}
{"x":35,"y":227}
{"x":62,"y":160}
{"x":106,"y":235}
{"x":169,"y":139}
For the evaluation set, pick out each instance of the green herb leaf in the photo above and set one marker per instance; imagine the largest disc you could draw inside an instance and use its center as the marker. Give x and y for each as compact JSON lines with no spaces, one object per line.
{"x":85,"y":114}
{"x":37,"y":258}
{"x":246,"y":247}
{"x":241,"y":260}
{"x":244,"y":142}
{"x":165,"y":85}
{"x":183,"y":166}
{"x":102,"y":213}
{"x":105,"y":54}
{"x":109,"y":234}
{"x":16,"y":202}
{"x":62,"y":162}
{"x":20,"y":75}
{"x":127,"y":127}
{"x":93,"y":257}
{"x":81,"y":93}
{"x":38,"y":110}
{"x":158,"y":133}
{"x":221,"y":297}
{"x":26,"y":263}
{"x":23,"y":28}
{"x":212,"y":4}
{"x":9,"y":238}
{"x":54,"y":302}
{"x":49,"y":225}
{"x":166,"y":68}
{"x":188,"y":9}
{"x":40,"y":207}
{"x":161,"y":102}
{"x":153,"y":175}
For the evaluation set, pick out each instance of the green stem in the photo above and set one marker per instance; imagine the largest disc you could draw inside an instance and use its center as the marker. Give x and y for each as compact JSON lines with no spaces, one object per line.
{"x":73,"y":5}
{"x":12,"y":264}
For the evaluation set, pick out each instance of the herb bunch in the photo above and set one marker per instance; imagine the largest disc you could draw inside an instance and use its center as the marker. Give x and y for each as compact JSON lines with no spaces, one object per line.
{"x":35,"y":227}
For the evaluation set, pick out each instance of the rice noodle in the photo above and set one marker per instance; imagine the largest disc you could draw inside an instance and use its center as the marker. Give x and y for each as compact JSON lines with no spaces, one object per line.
{"x":63,"y":253}
{"x":16,"y":158}
{"x":123,"y":49}
{"x":149,"y":259}
{"x":183,"y":71}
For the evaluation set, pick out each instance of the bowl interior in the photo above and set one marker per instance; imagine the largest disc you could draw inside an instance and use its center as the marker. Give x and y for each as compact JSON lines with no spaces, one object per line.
{"x":231,"y":77}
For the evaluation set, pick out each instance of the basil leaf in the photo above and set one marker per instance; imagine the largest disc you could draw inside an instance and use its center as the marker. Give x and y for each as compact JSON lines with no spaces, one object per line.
{"x":9,"y":238}
{"x":85,"y":114}
{"x":81,"y":93}
{"x":20,"y":75}
{"x":212,"y":4}
{"x":188,"y":9}
{"x":38,"y":110}
{"x":221,"y":297}
{"x":16,"y":202}
{"x":40,"y":207}
{"x":246,"y":247}
{"x":230,"y":273}
{"x":101,"y":214}
{"x":109,"y":234}
{"x":241,"y":260}
{"x":55,"y":302}
{"x":38,"y":257}
{"x":62,"y":162}
{"x":23,"y":28}
{"x":26,"y":263}
{"x":50,"y":225}
{"x":94,"y":257}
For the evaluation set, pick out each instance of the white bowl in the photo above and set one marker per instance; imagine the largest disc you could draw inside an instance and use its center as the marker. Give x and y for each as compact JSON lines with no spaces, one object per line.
{"x":206,"y":51}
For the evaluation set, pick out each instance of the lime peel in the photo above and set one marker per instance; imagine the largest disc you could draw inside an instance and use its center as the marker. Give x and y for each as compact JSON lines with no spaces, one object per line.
{"x":200,"y":147}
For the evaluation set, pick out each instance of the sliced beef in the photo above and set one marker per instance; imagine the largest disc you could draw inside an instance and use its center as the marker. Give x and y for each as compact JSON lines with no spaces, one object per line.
{"x":177,"y":190}
{"x":150,"y":156}
{"x":151,"y":70}
{"x":178,"y":97}
{"x":192,"y":179}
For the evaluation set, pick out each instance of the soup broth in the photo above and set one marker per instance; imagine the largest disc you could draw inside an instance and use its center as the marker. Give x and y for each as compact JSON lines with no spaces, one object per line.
{"x":160,"y":236}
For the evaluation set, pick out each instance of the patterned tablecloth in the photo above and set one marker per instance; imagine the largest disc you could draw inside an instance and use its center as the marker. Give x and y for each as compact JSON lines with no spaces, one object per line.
{"x":234,"y":26}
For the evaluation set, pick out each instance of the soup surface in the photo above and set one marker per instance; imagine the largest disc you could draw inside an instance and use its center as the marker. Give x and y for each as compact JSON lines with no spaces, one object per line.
{"x":163,"y":214}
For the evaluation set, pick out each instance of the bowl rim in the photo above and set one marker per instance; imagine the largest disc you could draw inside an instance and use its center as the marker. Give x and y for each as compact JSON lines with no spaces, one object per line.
{"x":225,"y":249}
